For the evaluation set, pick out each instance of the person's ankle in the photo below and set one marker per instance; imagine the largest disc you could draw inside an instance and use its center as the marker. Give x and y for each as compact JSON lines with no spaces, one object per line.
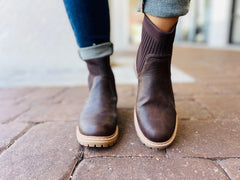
{"x":164,"y":24}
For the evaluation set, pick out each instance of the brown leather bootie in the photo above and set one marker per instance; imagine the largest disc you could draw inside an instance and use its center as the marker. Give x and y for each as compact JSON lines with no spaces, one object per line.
{"x":155,"y":116}
{"x":98,"y":121}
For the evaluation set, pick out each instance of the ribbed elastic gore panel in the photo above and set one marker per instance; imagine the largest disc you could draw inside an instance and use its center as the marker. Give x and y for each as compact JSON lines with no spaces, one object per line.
{"x":153,"y":41}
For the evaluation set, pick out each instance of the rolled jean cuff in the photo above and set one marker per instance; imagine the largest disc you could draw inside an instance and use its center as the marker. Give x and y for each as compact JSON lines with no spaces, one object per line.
{"x":164,"y":8}
{"x":96,"y":51}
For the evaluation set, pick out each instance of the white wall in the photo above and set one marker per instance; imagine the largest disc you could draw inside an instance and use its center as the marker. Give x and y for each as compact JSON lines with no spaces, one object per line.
{"x":119,"y":11}
{"x":220,"y":22}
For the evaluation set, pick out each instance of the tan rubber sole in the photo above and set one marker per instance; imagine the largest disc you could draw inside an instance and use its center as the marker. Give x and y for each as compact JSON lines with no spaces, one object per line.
{"x":96,"y":141}
{"x":152,"y":144}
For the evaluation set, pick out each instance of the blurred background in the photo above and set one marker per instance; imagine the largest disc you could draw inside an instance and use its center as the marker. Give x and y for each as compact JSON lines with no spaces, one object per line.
{"x":209,"y":22}
{"x":38,"y":48}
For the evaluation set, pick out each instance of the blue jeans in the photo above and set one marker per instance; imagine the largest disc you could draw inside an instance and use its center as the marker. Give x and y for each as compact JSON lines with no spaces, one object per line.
{"x":91,"y":26}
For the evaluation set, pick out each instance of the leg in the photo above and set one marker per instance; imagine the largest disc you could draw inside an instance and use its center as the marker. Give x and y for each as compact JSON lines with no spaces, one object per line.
{"x":155,"y":114}
{"x":91,"y":25}
{"x":163,"y":24}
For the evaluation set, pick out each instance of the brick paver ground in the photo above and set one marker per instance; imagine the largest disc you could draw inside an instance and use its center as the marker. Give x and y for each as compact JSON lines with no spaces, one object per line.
{"x":37,"y":129}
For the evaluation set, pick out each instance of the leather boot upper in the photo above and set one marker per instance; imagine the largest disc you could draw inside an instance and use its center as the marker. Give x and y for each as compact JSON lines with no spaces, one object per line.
{"x":99,"y":115}
{"x":155,"y":106}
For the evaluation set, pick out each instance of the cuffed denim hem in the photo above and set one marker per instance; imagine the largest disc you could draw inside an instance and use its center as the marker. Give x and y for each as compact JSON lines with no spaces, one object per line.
{"x":164,"y":8}
{"x":96,"y":51}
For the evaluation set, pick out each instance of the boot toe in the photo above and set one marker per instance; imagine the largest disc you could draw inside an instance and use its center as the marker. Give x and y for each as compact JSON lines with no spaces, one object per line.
{"x":158,"y":134}
{"x":158,"y":127}
{"x":97,"y":128}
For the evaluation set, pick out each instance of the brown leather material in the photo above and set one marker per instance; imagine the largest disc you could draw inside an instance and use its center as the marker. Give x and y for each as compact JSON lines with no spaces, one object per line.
{"x":99,"y":66}
{"x":155,"y":106}
{"x":99,"y":115}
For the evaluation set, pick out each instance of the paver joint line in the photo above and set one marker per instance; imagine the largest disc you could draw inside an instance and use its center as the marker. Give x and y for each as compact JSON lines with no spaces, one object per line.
{"x":59,"y":93}
{"x":120,"y":157}
{"x":166,"y":154}
{"x":205,"y":107}
{"x":15,"y":117}
{"x":220,"y":167}
{"x":212,"y":158}
{"x":79,"y":158}
{"x":24,"y":131}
